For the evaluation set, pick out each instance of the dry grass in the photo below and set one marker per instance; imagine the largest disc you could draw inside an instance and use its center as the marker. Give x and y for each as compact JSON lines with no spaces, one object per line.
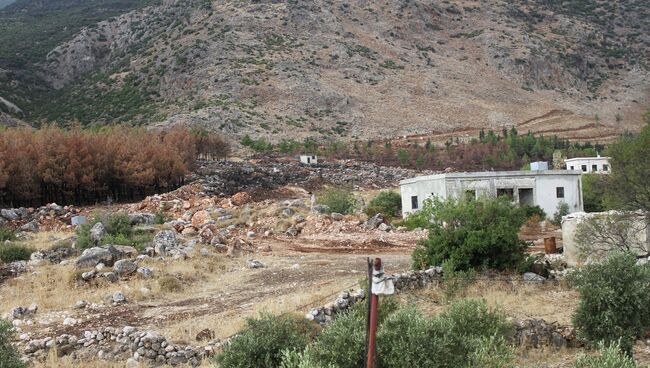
{"x":551,"y":302}
{"x":45,"y":239}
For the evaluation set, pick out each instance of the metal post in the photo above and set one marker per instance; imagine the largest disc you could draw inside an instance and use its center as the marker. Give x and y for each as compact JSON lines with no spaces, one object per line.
{"x":365,"y":356}
{"x":374,"y":302}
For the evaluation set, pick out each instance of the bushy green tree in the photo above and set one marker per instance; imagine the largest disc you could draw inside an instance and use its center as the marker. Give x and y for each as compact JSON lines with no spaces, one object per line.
{"x":9,"y":357}
{"x":388,"y":203}
{"x":593,"y":192}
{"x":342,"y":343}
{"x":340,"y":200}
{"x":471,"y":234}
{"x":262,"y":341}
{"x":561,"y":210}
{"x":628,"y":186}
{"x":614,"y":300}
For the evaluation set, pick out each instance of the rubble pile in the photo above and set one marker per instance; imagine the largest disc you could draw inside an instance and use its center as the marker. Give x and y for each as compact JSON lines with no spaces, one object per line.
{"x":228,"y":178}
{"x":536,"y":333}
{"x":48,"y":217}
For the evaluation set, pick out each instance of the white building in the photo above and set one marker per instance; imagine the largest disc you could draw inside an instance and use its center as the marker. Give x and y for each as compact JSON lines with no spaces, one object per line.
{"x":588,"y":164}
{"x":309,"y":160}
{"x":545,"y":189}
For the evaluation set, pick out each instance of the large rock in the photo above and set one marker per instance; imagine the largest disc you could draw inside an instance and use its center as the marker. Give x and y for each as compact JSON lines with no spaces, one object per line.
{"x":9,"y":214}
{"x":165,"y":241}
{"x":321,"y":208}
{"x":336,"y":216}
{"x":375,"y":221}
{"x":93,"y":256}
{"x":200,"y":218}
{"x":533,"y":277}
{"x":142,"y":218}
{"x":124,"y":267}
{"x":241,"y":198}
{"x":97,"y":232}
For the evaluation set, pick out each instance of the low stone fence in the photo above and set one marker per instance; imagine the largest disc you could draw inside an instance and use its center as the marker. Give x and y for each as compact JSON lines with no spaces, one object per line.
{"x":126,"y":344}
{"x":404,"y":281}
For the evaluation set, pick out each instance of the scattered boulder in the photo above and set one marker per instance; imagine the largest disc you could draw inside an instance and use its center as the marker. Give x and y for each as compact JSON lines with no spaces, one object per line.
{"x":288,"y":212}
{"x":142,"y":218}
{"x":97,"y":233}
{"x":205,"y":335}
{"x":533,"y":277}
{"x":145,"y":272}
{"x":241,"y":198}
{"x":252,"y":263}
{"x":80,"y":304}
{"x":189,"y":231}
{"x":9,"y":214}
{"x":124,"y":267}
{"x":200,"y":218}
{"x":299,"y":219}
{"x":118,"y":297}
{"x":110,"y":276}
{"x":336,"y":216}
{"x":91,"y":257}
{"x":321,"y":208}
{"x":385,"y":227}
{"x":375,"y":221}
{"x":30,"y":227}
{"x":292,"y":231}
{"x":165,"y":241}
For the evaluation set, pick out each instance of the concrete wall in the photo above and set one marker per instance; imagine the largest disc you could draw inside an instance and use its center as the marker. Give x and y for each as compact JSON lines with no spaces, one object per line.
{"x":309,"y":160}
{"x":571,"y":222}
{"x":543,"y":187}
{"x":588,"y":162}
{"x":546,"y":193}
{"x":423,"y":190}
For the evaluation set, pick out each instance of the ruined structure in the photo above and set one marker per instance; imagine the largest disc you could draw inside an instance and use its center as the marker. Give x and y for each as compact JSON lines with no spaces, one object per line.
{"x":545,"y":188}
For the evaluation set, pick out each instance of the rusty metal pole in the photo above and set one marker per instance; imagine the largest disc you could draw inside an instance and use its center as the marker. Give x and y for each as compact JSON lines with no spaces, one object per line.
{"x":365,"y":355}
{"x":374,"y":302}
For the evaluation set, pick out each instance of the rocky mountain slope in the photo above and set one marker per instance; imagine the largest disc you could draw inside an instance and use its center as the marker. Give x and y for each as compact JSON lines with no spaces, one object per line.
{"x":359,"y":69}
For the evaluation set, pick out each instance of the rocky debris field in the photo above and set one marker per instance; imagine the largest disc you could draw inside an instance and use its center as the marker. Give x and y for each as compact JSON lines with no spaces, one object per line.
{"x":48,"y":217}
{"x":228,"y":177}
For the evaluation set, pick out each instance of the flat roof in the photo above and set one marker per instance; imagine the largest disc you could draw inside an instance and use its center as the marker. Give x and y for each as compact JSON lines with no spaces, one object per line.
{"x":488,"y":174}
{"x":587,"y":158}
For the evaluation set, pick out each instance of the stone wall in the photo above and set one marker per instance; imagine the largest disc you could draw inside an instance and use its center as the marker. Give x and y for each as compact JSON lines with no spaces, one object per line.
{"x":570,"y":223}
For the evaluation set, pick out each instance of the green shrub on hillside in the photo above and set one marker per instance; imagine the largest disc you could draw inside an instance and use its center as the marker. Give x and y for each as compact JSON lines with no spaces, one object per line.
{"x":15,"y":252}
{"x":263,"y":340}
{"x":388,"y":203}
{"x":6,"y":234}
{"x":614,"y":300}
{"x":340,"y":200}
{"x":118,"y":231}
{"x":475,"y":234}
{"x":608,"y":357}
{"x":9,"y":356}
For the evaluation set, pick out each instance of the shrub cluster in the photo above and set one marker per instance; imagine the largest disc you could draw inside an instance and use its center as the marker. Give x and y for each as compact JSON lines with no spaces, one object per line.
{"x":340,"y":200}
{"x":9,"y":356}
{"x":471,"y":234}
{"x":614,"y":299}
{"x":118,"y":231}
{"x":388,"y":203}
{"x":262,"y":341}
{"x":6,"y":234}
{"x":14,"y":252}
{"x":468,"y":334}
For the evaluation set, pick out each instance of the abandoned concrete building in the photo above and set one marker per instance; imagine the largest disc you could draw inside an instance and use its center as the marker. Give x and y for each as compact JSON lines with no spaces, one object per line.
{"x":589,"y":164}
{"x":544,"y":188}
{"x":308,"y":159}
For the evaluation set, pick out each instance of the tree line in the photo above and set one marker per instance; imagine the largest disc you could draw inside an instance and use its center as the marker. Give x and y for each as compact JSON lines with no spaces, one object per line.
{"x":505,"y":150}
{"x":80,"y":166}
